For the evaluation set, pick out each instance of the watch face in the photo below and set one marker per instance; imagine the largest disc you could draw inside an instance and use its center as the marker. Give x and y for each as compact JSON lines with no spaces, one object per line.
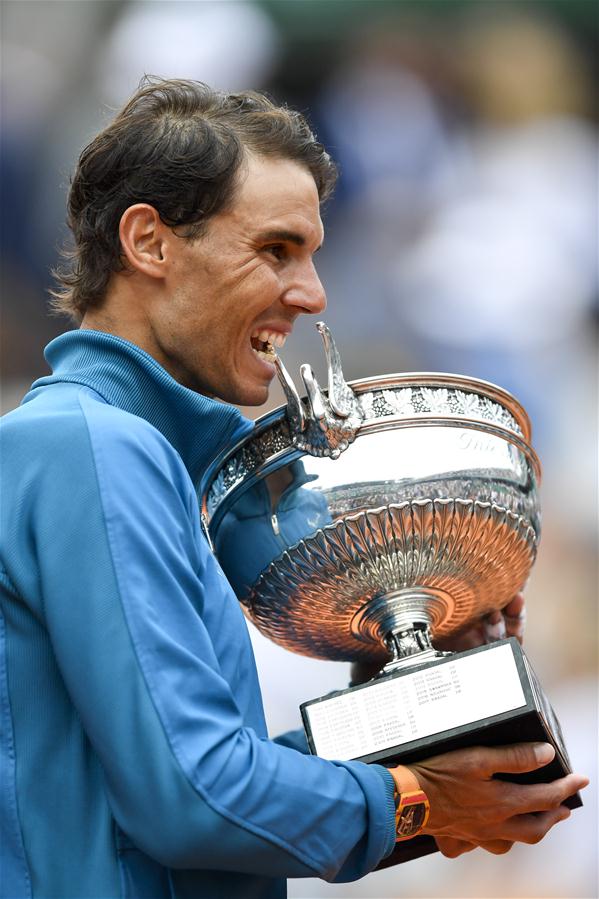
{"x":411,"y":815}
{"x":411,"y":819}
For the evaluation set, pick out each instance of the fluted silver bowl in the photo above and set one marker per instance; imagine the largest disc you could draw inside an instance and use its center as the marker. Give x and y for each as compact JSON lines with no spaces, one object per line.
{"x":428,"y":517}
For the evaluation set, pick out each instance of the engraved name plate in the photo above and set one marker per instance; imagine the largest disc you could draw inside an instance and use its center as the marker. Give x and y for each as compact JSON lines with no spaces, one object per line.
{"x":414,"y":705}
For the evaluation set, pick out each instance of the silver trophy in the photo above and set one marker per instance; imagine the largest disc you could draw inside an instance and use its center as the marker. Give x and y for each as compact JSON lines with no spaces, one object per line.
{"x":371,"y":520}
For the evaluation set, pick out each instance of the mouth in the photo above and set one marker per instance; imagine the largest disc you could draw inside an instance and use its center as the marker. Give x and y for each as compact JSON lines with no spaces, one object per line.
{"x":266,"y":343}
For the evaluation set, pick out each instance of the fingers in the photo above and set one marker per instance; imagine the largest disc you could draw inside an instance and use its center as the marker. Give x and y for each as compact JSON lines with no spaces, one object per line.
{"x":509,"y":622}
{"x":514,"y":615}
{"x":497,"y":847}
{"x":532,"y":798}
{"x":494,"y":627}
{"x":532,"y":828}
{"x":451,"y":847}
{"x":475,"y":767}
{"x":516,"y":759}
{"x":515,"y":607}
{"x":480,"y":762}
{"x":519,"y":828}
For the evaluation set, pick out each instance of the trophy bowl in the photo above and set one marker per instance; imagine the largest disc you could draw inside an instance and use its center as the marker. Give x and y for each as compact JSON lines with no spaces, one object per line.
{"x":383,"y":514}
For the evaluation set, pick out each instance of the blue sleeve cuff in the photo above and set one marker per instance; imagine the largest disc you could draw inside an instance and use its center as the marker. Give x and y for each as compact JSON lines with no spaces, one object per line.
{"x":390,"y":802}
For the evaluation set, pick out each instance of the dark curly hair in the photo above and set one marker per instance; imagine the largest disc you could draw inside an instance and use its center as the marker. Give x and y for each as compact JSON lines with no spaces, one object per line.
{"x":177,"y":145}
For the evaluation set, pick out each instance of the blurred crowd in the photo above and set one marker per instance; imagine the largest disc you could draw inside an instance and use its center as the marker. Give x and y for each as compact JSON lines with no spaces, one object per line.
{"x":463,"y":237}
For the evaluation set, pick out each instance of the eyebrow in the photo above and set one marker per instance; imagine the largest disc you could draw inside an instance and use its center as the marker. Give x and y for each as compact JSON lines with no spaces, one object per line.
{"x":285,"y":235}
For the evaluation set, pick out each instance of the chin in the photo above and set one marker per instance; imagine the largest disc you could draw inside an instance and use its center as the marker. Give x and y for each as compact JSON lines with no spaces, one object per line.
{"x":246,"y":395}
{"x":253,"y":398}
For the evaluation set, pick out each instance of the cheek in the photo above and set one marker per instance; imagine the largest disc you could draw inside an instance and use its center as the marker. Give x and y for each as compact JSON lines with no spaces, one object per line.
{"x":190,"y":309}
{"x":252,"y":281}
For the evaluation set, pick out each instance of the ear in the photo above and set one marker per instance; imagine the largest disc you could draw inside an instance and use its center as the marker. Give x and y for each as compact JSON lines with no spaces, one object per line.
{"x":143,"y":239}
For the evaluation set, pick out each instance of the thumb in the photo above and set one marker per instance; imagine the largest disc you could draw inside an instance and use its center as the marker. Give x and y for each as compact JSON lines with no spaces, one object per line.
{"x":519,"y":758}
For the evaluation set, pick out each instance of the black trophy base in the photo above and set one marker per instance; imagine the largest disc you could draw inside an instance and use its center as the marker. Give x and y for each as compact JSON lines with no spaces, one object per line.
{"x":488,"y":696}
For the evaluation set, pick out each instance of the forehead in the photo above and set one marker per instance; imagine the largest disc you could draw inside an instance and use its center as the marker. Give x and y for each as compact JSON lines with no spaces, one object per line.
{"x":277,"y":192}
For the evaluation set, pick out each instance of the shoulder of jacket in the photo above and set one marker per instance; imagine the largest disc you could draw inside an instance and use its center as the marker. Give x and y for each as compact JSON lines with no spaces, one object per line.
{"x":60,"y":421}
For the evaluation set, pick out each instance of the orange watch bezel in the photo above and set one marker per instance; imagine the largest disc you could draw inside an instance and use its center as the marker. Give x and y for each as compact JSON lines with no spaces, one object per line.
{"x":412,"y":811}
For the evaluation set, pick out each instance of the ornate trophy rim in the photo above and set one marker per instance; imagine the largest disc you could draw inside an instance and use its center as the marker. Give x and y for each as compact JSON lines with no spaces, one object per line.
{"x":272,"y":441}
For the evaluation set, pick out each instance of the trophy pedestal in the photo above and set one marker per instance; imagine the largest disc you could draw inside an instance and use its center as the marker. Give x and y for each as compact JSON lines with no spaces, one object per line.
{"x":488,"y":696}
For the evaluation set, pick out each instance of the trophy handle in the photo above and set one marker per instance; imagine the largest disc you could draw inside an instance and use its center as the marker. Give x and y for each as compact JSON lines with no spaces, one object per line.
{"x":328,"y":422}
{"x":341,"y":396}
{"x":296,"y":413}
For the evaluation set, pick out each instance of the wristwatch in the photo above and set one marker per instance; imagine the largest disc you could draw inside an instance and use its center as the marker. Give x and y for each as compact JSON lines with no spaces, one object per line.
{"x":411,"y":804}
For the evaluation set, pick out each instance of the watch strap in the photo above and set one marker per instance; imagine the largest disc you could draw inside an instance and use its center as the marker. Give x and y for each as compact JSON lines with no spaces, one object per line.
{"x":405,"y":780}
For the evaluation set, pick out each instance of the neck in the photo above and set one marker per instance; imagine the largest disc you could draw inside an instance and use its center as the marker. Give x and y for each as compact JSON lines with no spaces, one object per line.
{"x":122,"y":313}
{"x":118,"y":314}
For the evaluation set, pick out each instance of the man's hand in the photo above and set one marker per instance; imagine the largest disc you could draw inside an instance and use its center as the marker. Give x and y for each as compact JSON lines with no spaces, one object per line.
{"x":469,"y":808}
{"x":514,"y":617}
{"x":508,"y":622}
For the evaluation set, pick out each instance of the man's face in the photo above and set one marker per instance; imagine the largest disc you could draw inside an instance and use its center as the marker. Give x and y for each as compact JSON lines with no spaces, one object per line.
{"x":243,"y":284}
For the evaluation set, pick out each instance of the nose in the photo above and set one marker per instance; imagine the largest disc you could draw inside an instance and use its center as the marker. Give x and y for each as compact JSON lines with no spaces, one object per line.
{"x":306,"y":292}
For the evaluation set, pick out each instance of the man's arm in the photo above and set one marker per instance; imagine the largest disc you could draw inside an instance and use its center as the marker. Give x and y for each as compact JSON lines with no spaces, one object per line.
{"x":128,"y":588}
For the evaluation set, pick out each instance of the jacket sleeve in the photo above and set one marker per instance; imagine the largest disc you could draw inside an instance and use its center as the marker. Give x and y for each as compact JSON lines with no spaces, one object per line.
{"x":124,"y":576}
{"x":296,"y":739}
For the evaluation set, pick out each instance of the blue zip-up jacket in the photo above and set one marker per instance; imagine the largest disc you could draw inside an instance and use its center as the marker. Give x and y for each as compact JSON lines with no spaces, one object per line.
{"x":134,"y":755}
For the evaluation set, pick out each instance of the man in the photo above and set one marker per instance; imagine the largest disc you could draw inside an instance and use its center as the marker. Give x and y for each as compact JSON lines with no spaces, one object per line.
{"x":136,"y":756}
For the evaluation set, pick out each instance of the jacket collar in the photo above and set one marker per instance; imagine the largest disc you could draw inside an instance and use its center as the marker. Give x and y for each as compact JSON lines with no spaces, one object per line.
{"x":126,"y":376}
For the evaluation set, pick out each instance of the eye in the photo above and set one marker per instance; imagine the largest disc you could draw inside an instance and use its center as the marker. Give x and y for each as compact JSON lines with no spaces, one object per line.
{"x":276,"y":249}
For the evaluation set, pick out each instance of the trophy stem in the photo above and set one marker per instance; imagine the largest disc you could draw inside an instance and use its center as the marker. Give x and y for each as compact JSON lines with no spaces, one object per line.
{"x":401,"y":620}
{"x":407,"y":642}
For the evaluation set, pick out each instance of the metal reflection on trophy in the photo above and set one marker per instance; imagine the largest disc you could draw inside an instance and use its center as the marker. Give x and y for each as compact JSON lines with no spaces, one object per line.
{"x":387,"y":514}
